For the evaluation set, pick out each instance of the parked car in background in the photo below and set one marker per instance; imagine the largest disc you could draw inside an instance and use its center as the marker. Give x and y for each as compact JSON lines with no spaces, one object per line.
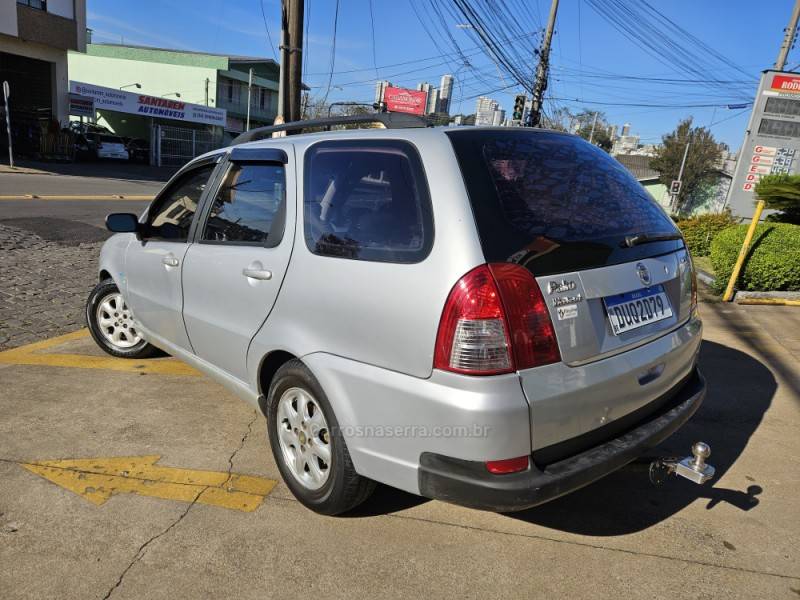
{"x":488,"y":316}
{"x":138,"y":150}
{"x":107,"y":146}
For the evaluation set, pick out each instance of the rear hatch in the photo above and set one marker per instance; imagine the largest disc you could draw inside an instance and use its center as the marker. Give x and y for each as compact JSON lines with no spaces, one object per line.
{"x":610,"y":263}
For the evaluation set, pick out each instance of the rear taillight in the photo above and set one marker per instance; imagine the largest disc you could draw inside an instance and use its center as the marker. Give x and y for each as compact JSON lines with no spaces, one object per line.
{"x":532,"y":336}
{"x":472,"y":334}
{"x":495,"y":321}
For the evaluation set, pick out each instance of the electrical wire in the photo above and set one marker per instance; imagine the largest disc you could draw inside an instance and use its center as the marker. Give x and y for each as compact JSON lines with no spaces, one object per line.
{"x":333,"y":52}
{"x":372,"y":30}
{"x":266,"y":28}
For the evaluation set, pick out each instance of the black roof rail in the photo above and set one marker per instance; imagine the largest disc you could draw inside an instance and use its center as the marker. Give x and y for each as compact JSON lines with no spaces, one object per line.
{"x":388,"y":120}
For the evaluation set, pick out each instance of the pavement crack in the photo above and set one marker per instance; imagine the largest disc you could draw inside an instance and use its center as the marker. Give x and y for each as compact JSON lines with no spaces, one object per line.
{"x":143,"y":548}
{"x":238,"y":449}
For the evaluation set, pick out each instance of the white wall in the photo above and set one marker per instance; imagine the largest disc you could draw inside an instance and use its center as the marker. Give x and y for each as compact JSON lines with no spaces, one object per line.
{"x":62,"y":8}
{"x":8,"y":17}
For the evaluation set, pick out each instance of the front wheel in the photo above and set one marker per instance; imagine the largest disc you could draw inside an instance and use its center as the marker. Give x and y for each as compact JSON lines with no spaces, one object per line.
{"x":111,"y":323}
{"x":308,"y":446}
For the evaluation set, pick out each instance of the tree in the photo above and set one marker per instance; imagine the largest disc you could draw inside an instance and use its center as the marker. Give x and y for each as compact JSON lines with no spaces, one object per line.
{"x":781,"y":192}
{"x":702,"y":161}
{"x":595,"y":130}
{"x":563,"y":119}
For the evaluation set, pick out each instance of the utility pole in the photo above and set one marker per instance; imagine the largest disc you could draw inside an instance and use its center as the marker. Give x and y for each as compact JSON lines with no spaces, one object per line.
{"x":788,"y":37}
{"x":295,"y":50}
{"x":680,"y":178}
{"x":249,"y":92}
{"x":594,"y":124}
{"x":542,"y":70}
{"x":283,"y":79}
{"x":6,"y":96}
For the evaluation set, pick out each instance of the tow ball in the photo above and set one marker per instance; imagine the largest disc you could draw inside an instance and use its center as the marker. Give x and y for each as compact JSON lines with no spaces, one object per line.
{"x":694,"y":468}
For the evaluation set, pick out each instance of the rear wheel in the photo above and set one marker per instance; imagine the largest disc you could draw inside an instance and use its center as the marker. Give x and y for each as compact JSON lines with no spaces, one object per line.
{"x":111,"y":324}
{"x":308,"y":446}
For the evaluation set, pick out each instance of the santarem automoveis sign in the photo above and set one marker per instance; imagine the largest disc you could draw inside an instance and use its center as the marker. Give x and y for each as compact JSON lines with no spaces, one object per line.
{"x":149,"y":106}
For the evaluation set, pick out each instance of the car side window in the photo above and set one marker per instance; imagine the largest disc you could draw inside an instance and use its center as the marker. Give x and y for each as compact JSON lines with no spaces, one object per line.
{"x":250,"y":206}
{"x":367,"y":200}
{"x":170,"y":216}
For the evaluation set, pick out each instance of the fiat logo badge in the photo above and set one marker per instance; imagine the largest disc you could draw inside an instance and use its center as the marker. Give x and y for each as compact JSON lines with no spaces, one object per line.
{"x":643,"y":273}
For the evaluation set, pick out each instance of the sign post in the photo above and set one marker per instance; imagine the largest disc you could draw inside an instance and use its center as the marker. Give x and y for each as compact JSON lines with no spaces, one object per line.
{"x":6,"y":96}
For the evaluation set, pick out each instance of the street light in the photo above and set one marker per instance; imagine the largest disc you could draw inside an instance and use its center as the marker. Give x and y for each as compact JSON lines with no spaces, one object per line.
{"x":136,"y":85}
{"x":178,"y":94}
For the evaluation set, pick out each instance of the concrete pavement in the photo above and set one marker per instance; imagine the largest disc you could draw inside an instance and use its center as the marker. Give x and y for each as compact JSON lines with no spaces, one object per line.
{"x":620,"y":537}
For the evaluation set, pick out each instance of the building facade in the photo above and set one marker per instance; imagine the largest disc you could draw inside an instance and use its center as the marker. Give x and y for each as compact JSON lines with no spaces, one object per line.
{"x":485,"y":108}
{"x":35,"y":36}
{"x":445,"y":94}
{"x":178,"y":103}
{"x":214,"y":80}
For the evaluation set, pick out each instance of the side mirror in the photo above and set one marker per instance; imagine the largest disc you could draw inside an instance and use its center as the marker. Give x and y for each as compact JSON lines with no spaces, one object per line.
{"x":122,"y":223}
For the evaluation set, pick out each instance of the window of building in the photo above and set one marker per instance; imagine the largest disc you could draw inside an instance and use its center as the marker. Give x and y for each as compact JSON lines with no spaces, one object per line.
{"x":367,"y":200}
{"x":250,"y":206}
{"x":170,"y":215}
{"x":38,"y":4}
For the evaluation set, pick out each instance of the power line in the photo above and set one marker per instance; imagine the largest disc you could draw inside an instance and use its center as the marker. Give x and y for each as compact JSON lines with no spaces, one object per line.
{"x":333,"y":51}
{"x":372,"y":29}
{"x":266,"y":28}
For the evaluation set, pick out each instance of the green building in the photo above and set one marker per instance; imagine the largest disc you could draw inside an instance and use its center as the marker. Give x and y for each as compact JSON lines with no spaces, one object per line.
{"x":188,"y":82}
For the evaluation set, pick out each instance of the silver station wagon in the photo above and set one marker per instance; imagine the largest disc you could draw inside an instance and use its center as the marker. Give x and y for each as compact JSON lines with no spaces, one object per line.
{"x":493,"y":317}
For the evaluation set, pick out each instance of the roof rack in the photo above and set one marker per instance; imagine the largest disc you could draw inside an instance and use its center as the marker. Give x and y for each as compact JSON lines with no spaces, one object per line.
{"x":388,"y":120}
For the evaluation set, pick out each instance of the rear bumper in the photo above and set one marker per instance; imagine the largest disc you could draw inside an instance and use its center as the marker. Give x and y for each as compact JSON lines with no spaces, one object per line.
{"x":469,"y":483}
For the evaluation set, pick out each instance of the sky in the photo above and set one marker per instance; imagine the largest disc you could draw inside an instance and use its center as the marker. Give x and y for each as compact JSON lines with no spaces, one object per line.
{"x":588,"y":54}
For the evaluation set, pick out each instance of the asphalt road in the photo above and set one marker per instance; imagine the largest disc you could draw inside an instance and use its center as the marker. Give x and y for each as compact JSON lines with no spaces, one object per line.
{"x":51,"y":219}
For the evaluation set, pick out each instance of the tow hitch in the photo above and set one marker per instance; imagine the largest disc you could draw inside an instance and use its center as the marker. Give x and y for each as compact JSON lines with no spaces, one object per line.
{"x":694,"y":468}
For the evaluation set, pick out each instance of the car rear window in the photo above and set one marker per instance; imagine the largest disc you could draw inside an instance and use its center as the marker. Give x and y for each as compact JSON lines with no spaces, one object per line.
{"x":554,"y":202}
{"x":111,"y":139}
{"x":367,"y":200}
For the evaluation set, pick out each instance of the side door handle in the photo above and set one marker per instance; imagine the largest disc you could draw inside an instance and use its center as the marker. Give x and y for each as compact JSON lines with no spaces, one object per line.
{"x":261,"y":274}
{"x":170,"y":261}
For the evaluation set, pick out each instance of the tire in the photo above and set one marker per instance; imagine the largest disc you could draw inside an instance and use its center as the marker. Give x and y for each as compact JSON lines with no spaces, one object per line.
{"x":338,"y":488}
{"x":102,"y":302}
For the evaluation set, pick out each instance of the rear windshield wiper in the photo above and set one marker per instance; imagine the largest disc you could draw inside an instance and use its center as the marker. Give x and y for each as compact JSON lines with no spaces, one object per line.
{"x":645,"y":238}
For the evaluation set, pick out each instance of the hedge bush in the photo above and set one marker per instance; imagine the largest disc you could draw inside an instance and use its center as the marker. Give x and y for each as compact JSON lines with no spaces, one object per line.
{"x":773,"y":263}
{"x":699,"y":231}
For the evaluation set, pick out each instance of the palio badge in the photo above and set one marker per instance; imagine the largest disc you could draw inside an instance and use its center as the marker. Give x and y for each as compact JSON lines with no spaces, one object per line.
{"x":559,"y":287}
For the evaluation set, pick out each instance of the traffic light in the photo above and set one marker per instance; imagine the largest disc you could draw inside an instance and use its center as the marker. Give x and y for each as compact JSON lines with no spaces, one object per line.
{"x":675,"y":187}
{"x":519,"y":107}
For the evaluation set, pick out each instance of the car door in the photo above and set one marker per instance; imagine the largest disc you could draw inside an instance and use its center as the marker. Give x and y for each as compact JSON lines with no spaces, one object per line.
{"x":232,"y":274}
{"x":153,"y":262}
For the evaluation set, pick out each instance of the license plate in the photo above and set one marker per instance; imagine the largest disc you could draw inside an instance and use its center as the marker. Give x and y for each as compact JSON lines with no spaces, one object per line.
{"x":632,"y":310}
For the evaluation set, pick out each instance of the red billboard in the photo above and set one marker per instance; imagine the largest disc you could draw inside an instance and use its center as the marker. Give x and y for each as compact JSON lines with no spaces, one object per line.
{"x":405,"y":101}
{"x":786,"y":83}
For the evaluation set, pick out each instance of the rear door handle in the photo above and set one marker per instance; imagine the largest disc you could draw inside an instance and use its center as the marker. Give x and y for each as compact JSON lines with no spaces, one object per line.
{"x":170,"y":261}
{"x":261,"y":274}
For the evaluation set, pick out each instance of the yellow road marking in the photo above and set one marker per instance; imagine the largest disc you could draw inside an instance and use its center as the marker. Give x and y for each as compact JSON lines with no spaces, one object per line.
{"x":33,"y":354}
{"x":97,"y":479}
{"x":65,"y":198}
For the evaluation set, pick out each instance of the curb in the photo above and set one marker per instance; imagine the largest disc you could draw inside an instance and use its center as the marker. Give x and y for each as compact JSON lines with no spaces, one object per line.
{"x":768,"y":298}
